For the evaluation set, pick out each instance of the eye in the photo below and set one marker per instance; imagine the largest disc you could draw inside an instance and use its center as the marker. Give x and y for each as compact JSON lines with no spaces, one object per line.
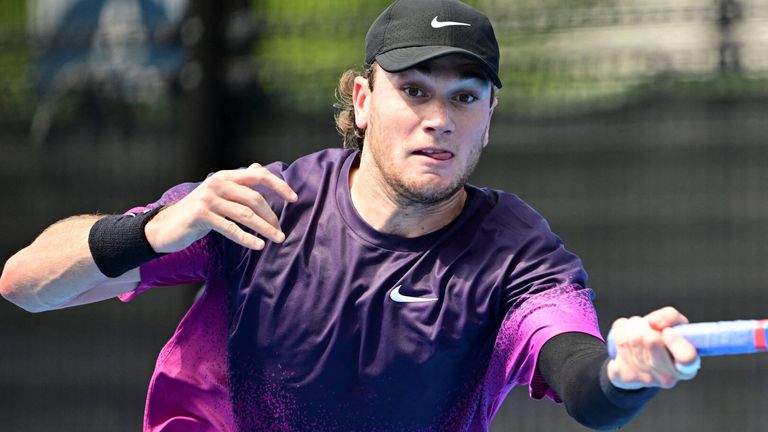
{"x":466,"y":98}
{"x":413,"y":92}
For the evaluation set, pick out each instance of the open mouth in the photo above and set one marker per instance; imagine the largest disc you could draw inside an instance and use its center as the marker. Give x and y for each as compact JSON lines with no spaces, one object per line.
{"x":440,"y":155}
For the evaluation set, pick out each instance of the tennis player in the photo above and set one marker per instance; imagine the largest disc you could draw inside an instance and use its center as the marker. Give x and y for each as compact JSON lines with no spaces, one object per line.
{"x":365,"y":288}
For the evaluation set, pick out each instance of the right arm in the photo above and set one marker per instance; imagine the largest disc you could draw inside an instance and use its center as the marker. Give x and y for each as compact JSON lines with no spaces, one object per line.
{"x":58,"y":270}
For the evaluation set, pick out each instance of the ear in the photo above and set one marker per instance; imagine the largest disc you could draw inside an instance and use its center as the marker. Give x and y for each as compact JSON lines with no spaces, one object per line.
{"x":488,"y":125}
{"x":360,"y":101}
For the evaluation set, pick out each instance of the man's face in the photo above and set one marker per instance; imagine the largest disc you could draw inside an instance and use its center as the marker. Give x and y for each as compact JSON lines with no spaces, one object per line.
{"x":425,"y":127}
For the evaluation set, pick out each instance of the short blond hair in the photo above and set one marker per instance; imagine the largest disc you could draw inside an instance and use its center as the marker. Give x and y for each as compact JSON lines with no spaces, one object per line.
{"x":352,"y":136}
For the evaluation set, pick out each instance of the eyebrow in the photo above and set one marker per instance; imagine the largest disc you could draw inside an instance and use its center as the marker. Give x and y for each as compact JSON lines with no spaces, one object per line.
{"x":467,"y":73}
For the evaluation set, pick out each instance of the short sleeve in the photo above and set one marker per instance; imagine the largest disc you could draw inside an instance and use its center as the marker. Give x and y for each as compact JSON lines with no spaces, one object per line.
{"x":546,"y":314}
{"x":524,"y":331}
{"x":190,"y":265}
{"x":540,"y":262}
{"x":546,"y":295}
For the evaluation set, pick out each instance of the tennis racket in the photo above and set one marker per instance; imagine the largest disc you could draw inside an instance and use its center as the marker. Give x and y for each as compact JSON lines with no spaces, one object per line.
{"x":719,"y":338}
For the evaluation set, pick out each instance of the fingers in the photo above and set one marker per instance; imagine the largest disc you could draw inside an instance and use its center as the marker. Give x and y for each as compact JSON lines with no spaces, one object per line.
{"x":665,"y":317}
{"x":679,"y":347}
{"x":226,"y":202}
{"x":248,"y":216}
{"x":256,"y":175}
{"x":232,"y":231}
{"x":686,"y":359}
{"x":632,"y":367}
{"x":651,"y":357}
{"x":688,"y":371}
{"x":684,"y":354}
{"x":230,"y":199}
{"x":251,"y":200}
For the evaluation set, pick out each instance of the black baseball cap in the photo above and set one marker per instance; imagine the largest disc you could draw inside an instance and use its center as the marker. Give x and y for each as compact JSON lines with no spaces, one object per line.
{"x":409,"y":32}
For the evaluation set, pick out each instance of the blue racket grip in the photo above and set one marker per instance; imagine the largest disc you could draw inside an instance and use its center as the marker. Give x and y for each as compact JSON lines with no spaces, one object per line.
{"x":719,"y":338}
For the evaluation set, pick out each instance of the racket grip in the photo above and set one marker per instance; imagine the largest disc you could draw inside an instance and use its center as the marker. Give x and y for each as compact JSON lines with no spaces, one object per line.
{"x":719,"y":338}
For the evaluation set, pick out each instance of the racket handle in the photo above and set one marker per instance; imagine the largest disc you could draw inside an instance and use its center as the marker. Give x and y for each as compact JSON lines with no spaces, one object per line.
{"x":719,"y":338}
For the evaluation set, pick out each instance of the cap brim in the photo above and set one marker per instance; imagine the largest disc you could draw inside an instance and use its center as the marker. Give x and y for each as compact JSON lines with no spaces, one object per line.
{"x":400,"y":59}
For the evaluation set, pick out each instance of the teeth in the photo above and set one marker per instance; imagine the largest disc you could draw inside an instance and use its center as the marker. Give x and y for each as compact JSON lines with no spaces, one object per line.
{"x":430,"y":151}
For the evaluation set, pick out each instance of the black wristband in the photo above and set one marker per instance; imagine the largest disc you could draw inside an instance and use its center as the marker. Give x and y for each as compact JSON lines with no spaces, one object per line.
{"x":118,"y":242}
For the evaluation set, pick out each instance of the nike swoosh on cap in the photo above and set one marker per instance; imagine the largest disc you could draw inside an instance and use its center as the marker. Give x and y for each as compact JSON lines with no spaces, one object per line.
{"x":397,"y":297}
{"x":439,"y":24}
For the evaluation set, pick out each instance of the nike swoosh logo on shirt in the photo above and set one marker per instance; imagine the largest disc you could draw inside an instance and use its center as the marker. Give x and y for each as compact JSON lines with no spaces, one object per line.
{"x":397,"y":297}
{"x":439,"y":24}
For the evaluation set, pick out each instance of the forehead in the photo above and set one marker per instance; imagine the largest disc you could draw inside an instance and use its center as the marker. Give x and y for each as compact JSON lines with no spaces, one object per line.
{"x":451,"y":66}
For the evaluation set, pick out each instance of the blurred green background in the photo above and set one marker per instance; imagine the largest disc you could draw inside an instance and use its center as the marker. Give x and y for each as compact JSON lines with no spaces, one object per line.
{"x":637,"y":128}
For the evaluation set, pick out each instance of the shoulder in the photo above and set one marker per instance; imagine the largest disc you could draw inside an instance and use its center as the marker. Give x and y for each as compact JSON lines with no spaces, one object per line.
{"x":170,"y":196}
{"x":508,"y":213}
{"x":522,"y":234}
{"x":314,"y":173}
{"x":320,"y":161}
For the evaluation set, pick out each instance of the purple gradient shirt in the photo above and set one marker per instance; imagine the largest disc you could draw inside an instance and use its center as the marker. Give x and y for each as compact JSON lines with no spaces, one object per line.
{"x":342,"y":327}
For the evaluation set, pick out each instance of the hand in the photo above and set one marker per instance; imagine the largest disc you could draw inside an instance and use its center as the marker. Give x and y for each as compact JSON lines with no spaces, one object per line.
{"x":649,"y":353}
{"x":220,"y":203}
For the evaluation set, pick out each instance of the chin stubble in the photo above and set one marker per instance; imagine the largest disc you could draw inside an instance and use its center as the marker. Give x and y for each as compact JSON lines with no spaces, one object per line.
{"x":410,"y":195}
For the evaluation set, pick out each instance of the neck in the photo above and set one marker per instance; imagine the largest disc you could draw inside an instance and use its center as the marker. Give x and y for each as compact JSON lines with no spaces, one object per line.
{"x":382,"y":209}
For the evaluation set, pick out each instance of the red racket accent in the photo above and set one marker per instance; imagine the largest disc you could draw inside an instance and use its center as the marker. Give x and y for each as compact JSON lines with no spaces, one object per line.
{"x":760,"y":342}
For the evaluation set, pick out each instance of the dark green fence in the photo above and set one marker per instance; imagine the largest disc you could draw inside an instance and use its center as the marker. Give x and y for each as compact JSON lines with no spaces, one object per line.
{"x":638,"y":130}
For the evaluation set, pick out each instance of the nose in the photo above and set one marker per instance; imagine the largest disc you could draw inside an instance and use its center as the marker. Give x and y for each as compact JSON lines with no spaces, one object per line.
{"x":437,"y":117}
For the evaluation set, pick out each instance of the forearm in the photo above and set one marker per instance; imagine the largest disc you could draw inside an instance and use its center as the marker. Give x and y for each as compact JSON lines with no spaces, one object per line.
{"x":57,"y":268}
{"x":573,"y":364}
